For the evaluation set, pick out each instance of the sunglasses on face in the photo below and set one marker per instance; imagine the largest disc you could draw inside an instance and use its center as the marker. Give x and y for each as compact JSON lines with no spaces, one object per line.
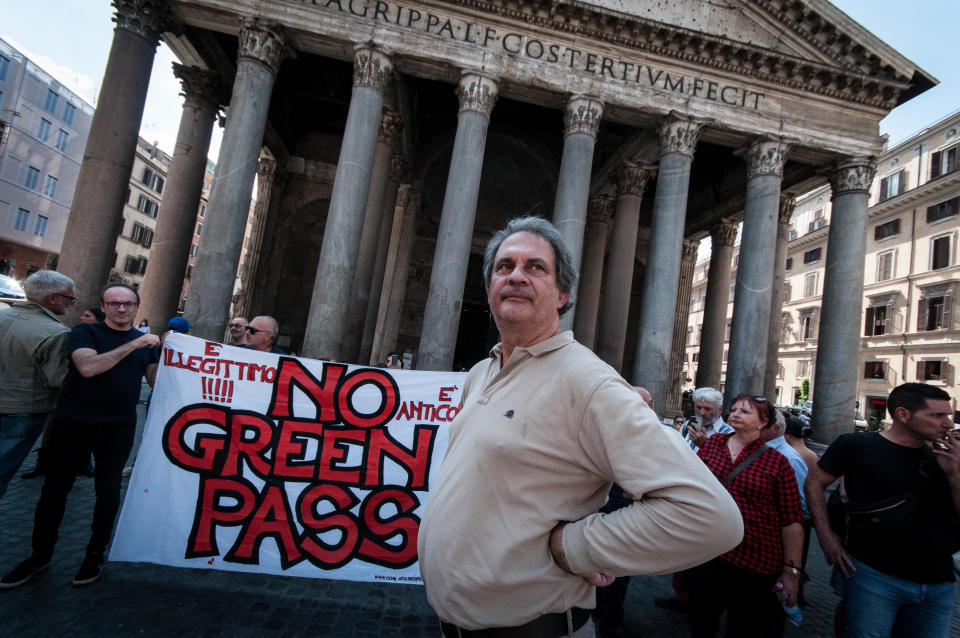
{"x":253,"y":331}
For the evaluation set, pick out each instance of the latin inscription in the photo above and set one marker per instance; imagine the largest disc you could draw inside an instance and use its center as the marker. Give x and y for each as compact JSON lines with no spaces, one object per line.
{"x":523,"y":45}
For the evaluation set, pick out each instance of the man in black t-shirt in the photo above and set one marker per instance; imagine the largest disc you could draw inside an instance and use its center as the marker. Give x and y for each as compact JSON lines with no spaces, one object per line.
{"x":899,"y":570}
{"x":96,"y":413}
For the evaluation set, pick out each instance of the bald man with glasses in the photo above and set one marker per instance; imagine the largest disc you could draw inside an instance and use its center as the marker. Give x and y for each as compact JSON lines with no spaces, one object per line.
{"x":262,"y":335}
{"x":96,"y":413}
{"x":238,"y":331}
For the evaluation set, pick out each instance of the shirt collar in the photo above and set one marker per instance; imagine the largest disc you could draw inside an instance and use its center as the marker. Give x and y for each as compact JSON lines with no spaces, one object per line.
{"x":540,"y":348}
{"x":34,"y":304}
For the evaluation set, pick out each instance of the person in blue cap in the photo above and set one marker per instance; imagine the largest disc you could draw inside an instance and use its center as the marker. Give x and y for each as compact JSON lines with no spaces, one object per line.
{"x":179,"y":324}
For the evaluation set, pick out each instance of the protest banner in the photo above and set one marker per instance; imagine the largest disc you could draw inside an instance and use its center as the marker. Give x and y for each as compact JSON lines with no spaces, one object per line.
{"x":258,"y":462}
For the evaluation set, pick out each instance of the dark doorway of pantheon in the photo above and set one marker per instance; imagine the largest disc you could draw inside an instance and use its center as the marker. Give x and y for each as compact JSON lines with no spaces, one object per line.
{"x":477,"y":332}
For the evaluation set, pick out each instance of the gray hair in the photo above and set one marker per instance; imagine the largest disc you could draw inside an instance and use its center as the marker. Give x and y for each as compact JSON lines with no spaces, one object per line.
{"x":566,"y":271}
{"x":710,"y":395}
{"x":46,"y":282}
{"x":780,"y":425}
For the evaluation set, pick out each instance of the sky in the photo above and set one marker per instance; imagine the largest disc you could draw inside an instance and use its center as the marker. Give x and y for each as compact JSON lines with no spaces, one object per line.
{"x":71,"y":40}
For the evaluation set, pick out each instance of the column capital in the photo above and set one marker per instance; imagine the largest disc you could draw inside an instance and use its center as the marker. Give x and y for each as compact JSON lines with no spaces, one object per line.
{"x":264,"y":42}
{"x":600,"y":210}
{"x":478,"y":91}
{"x":690,"y":248}
{"x":852,"y":175}
{"x":788,"y":202}
{"x":632,"y":178}
{"x":390,"y":123}
{"x":582,"y":114}
{"x":372,"y":66}
{"x":266,"y":169}
{"x":147,"y":18}
{"x":766,"y":155}
{"x":679,"y":134}
{"x":202,"y":89}
{"x":723,"y":234}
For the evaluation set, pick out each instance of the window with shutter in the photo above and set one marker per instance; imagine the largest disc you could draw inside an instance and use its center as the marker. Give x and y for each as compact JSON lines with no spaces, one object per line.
{"x":943,"y":210}
{"x":922,"y":314}
{"x":943,"y":162}
{"x":940,"y":252}
{"x":892,"y":185}
{"x":885,"y":265}
{"x":886,"y":229}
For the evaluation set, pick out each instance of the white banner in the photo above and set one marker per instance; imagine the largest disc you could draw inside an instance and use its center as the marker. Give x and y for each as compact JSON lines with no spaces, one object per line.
{"x":273,"y":464}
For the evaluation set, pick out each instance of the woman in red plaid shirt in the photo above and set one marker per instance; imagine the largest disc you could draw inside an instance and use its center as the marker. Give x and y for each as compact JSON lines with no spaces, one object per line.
{"x":744,"y":581}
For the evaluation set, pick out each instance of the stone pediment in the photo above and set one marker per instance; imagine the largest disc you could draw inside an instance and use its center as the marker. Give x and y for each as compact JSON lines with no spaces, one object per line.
{"x":801,"y":44}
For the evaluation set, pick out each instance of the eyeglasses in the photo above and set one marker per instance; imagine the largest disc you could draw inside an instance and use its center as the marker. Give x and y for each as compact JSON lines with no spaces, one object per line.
{"x":252,"y":330}
{"x":69,"y":298}
{"x":121,"y":304}
{"x":236,"y":325}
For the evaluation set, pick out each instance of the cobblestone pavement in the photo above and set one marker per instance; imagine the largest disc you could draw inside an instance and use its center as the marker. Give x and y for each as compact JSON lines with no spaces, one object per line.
{"x":139,"y":599}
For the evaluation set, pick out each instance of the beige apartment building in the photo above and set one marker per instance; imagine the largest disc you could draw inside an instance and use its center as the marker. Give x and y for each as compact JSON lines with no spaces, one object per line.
{"x":908,"y":325}
{"x":147,"y":180}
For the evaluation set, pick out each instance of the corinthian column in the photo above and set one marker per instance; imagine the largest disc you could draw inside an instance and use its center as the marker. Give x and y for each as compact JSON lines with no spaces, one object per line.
{"x":581,"y":120}
{"x":787,"y":204}
{"x":170,"y":251}
{"x":747,"y":363}
{"x":678,"y":138}
{"x":631,"y":180}
{"x":591,"y":274}
{"x":266,"y":173}
{"x":398,"y":173}
{"x":369,"y":236}
{"x":372,"y":68}
{"x":96,"y":213}
{"x":710,"y":359}
{"x":835,"y":381}
{"x":438,"y":338}
{"x":262,"y":49}
{"x":681,"y":318}
{"x":394,"y":290}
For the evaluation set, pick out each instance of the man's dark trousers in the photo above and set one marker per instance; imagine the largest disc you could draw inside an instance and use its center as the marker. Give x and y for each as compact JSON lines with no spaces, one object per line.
{"x":71,"y":443}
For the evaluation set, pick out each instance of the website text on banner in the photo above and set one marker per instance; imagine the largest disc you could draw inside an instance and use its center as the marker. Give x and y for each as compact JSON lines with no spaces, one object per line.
{"x":273,"y":464}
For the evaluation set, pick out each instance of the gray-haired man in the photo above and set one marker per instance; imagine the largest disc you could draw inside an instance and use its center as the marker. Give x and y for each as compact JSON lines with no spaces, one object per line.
{"x":512,"y":542}
{"x":707,"y":403}
{"x":33,"y":364}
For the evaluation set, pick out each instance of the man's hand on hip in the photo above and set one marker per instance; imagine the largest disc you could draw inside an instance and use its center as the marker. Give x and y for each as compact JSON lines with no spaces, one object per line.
{"x":597,"y":579}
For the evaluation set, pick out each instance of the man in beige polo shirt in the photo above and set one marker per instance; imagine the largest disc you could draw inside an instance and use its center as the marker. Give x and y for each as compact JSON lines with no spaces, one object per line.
{"x":511,"y":542}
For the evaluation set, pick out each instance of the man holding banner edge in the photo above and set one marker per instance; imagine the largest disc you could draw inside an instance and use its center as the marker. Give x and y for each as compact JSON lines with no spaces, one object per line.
{"x":511,"y":542}
{"x":95,"y":413}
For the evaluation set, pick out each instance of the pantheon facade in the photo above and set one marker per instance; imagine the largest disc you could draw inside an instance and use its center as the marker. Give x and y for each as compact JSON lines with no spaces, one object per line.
{"x":388,"y":140}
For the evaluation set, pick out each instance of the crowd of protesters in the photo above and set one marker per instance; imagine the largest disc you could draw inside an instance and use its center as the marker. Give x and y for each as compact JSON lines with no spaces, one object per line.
{"x":884,"y":504}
